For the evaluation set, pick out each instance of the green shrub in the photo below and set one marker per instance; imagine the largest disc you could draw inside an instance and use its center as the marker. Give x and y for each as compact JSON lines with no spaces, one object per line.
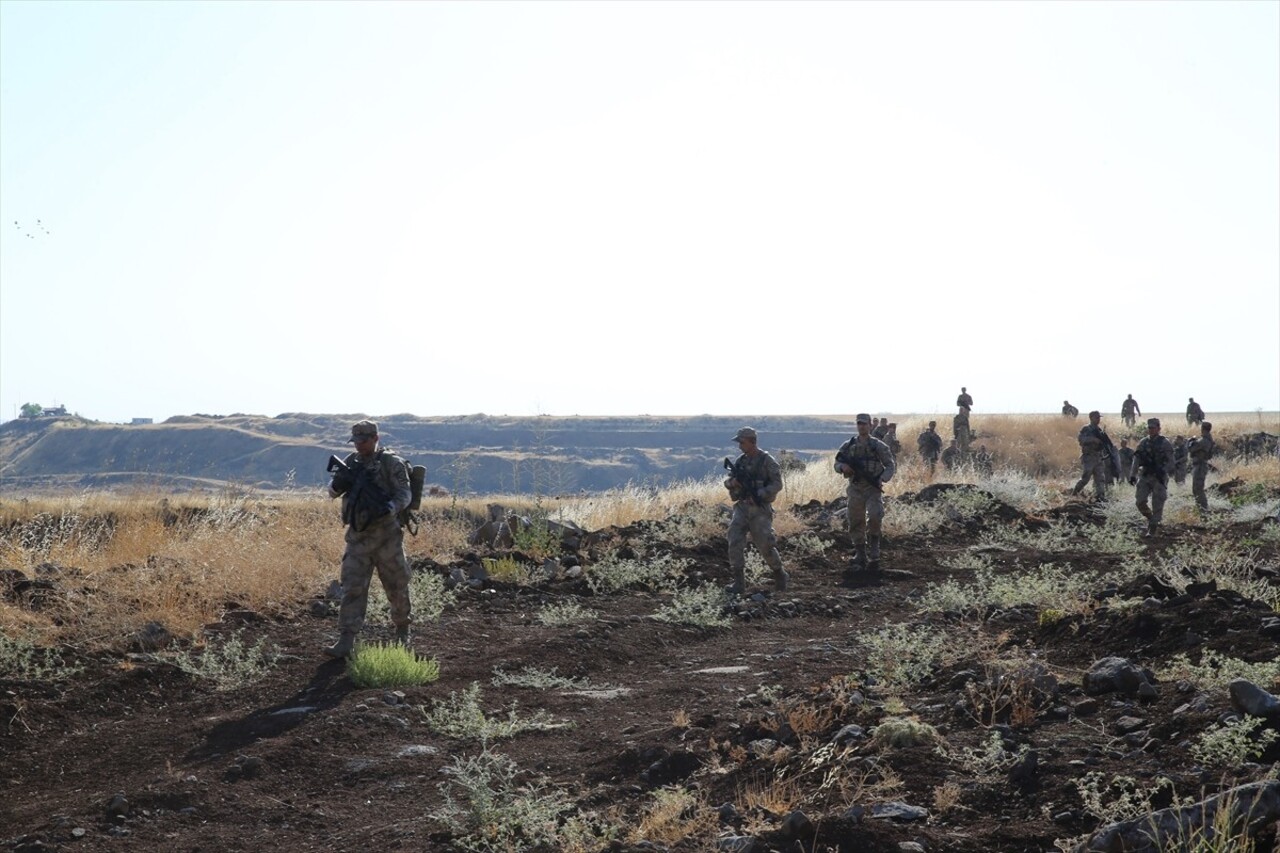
{"x":230,"y":664}
{"x":614,"y":573}
{"x":900,"y":655}
{"x":565,"y":613}
{"x":899,"y":732}
{"x":22,"y":660}
{"x":1232,"y":744}
{"x":699,"y":606}
{"x":390,"y":665}
{"x":507,"y":570}
{"x":461,"y":716}
{"x":1215,"y":670}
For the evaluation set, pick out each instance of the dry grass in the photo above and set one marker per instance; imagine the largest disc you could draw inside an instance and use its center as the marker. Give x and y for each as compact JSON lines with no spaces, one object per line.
{"x":121,"y":559}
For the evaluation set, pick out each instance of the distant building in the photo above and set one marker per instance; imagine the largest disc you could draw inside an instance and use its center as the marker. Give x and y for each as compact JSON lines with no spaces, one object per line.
{"x":141,"y":421}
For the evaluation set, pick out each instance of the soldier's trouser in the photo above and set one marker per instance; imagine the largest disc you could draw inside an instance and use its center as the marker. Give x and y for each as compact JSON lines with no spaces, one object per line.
{"x":866,"y":510}
{"x":756,"y":521}
{"x":1198,"y":473}
{"x":1093,"y":467}
{"x":932,"y":462}
{"x":1158,"y":491}
{"x":380,"y":546}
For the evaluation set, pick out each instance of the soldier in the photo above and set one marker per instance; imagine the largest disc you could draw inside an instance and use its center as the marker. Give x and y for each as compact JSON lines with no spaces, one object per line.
{"x":1201,"y":451}
{"x":964,"y":401}
{"x":1195,"y":414}
{"x":1152,"y":464}
{"x":1180,"y":460}
{"x":867,"y":464}
{"x":983,"y":460}
{"x":374,"y":488}
{"x":1126,"y":455}
{"x":891,"y":439}
{"x":960,"y":429}
{"x":1069,"y":411}
{"x":881,"y":430}
{"x":951,"y":456}
{"x":1129,"y":411}
{"x":929,"y":443}
{"x":1095,"y":456}
{"x":753,"y":485}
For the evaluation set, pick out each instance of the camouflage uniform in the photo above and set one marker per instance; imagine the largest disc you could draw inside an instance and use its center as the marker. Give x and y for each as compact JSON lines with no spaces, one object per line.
{"x":374,"y":541}
{"x":1129,"y":411}
{"x":866,"y":503}
{"x":754,"y":517}
{"x":964,"y":401}
{"x":951,"y":457}
{"x":1069,"y":411}
{"x":929,"y":443}
{"x":1152,"y":465}
{"x":960,"y":430}
{"x":1201,"y":451}
{"x":1126,"y":455}
{"x":1095,"y":460}
{"x":1180,"y":460}
{"x":1195,"y":414}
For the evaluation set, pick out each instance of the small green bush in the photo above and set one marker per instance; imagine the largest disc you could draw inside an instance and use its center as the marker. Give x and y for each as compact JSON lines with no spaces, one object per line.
{"x":230,"y":664}
{"x":461,"y":716}
{"x":700,"y":607}
{"x":1232,"y":744}
{"x":390,"y":665}
{"x":899,"y":732}
{"x":24,"y":661}
{"x":565,"y":613}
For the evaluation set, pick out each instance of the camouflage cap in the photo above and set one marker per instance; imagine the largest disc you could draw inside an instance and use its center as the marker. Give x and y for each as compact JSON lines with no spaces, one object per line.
{"x":745,"y":432}
{"x":1153,"y":422}
{"x":363,"y":429}
{"x":863,"y":418}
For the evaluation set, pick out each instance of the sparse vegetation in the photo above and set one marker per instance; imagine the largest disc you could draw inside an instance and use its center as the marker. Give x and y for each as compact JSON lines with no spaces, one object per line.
{"x":461,"y":716}
{"x":227,"y":663}
{"x":698,"y":607}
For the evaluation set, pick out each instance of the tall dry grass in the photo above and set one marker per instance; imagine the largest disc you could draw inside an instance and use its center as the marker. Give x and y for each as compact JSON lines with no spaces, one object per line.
{"x":116,"y":561}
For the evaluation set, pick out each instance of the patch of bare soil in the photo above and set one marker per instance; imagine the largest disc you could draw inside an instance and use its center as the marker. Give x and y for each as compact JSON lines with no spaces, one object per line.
{"x":772,"y":715}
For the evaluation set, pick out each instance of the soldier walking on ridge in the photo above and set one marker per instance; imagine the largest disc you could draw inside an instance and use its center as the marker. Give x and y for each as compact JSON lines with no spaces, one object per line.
{"x":1069,"y":411}
{"x":865,"y":461}
{"x":1152,"y":464}
{"x":1195,"y":414}
{"x":960,"y":429}
{"x":1095,"y":456}
{"x":964,"y":401}
{"x":1201,"y":451}
{"x":374,"y":487}
{"x":755,"y":480}
{"x":929,"y":443}
{"x":1129,"y":411}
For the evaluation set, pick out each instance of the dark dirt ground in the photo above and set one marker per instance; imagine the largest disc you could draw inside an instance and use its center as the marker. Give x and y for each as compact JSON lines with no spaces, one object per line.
{"x":208,"y":771}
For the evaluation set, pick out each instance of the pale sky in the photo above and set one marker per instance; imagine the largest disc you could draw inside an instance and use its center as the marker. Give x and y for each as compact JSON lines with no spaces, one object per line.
{"x":638,"y":208}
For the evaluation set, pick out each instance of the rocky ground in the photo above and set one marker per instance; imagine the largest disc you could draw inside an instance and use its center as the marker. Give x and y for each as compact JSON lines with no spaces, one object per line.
{"x":784,"y":730}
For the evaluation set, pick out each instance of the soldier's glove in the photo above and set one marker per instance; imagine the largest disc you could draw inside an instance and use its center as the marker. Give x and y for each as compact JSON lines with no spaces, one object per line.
{"x":342,"y":483}
{"x":1133,"y":481}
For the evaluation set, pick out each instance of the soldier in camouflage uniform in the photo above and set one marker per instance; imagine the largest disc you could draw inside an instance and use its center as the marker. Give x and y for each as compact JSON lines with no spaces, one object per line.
{"x":1180,"y":460}
{"x":960,"y":429}
{"x":756,"y":481}
{"x":951,"y":456}
{"x":1126,"y":457}
{"x":374,"y":490}
{"x":1095,"y":457}
{"x":1129,"y":411}
{"x":1195,"y":414}
{"x":1152,"y":465}
{"x":867,"y":464}
{"x":929,"y":444}
{"x":964,"y":401}
{"x":1069,"y":411}
{"x":1201,"y":451}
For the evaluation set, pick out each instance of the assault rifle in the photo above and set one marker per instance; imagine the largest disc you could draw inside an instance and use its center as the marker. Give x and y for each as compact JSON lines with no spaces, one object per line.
{"x":1113,"y":455}
{"x":366,"y":502}
{"x":746,"y":484}
{"x":859,"y":469}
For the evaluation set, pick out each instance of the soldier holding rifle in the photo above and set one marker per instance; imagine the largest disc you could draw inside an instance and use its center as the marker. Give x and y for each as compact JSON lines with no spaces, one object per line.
{"x":754,"y":480}
{"x":867,"y":463}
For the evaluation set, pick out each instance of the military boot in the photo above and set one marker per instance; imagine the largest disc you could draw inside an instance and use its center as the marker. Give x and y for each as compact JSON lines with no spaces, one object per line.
{"x":739,"y":584}
{"x":859,"y":556}
{"x":342,"y":648}
{"x":1152,"y":524}
{"x":402,"y":636}
{"x":873,"y":553}
{"x":780,"y":580}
